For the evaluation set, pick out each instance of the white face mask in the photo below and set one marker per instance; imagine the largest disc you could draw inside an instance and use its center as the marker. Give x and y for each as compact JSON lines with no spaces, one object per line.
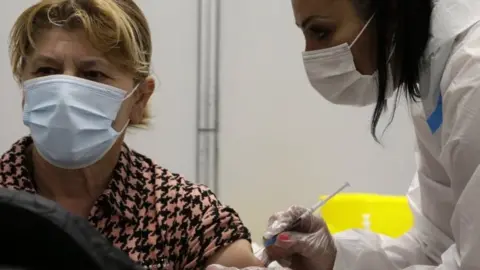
{"x":333,"y":74}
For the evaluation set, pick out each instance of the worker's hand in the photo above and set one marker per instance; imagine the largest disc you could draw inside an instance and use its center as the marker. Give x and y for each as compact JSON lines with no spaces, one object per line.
{"x":306,"y":246}
{"x":220,"y":267}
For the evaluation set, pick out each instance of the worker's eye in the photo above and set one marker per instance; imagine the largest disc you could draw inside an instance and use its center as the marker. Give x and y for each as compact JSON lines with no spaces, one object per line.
{"x":317,"y":33}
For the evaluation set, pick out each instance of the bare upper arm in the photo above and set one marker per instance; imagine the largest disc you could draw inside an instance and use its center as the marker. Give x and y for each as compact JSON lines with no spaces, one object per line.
{"x":238,"y":254}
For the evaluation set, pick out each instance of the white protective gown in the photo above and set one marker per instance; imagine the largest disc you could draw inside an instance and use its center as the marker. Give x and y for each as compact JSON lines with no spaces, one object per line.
{"x":445,"y":193}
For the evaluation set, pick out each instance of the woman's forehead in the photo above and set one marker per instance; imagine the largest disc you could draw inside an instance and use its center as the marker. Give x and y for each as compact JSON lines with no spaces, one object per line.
{"x":59,"y":44}
{"x":60,"y":40}
{"x":304,"y":9}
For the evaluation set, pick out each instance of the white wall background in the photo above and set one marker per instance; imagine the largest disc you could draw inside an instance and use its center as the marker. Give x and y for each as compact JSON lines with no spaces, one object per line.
{"x":280,"y":142}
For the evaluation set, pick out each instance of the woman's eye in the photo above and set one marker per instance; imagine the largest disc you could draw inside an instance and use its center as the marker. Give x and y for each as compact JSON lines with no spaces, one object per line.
{"x":46,"y":71}
{"x":317,"y":34}
{"x":94,"y":75}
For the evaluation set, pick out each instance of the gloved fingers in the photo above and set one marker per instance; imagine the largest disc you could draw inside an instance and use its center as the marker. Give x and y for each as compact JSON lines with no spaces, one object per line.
{"x":295,"y":248}
{"x":262,"y":255}
{"x":281,"y":256}
{"x":324,"y":244}
{"x":285,"y":262}
{"x":280,"y":221}
{"x":282,"y":250}
{"x":286,"y":240}
{"x":293,"y":212}
{"x":217,"y":267}
{"x":306,"y":244}
{"x":221,"y":267}
{"x":310,"y":224}
{"x":278,"y":253}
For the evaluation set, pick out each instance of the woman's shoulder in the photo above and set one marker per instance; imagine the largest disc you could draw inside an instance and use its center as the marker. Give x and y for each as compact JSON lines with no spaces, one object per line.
{"x":173,"y":187}
{"x":13,"y":166}
{"x":177,"y":189}
{"x":195,"y":223}
{"x":17,"y":150}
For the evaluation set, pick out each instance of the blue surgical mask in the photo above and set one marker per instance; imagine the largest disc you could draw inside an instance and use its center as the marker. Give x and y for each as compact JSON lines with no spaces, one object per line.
{"x":70,"y":118}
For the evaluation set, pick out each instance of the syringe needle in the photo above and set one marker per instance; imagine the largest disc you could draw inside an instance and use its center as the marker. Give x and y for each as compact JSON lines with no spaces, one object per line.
{"x":322,"y":202}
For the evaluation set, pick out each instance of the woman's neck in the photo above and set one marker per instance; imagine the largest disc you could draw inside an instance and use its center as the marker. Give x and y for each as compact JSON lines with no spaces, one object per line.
{"x":76,"y":190}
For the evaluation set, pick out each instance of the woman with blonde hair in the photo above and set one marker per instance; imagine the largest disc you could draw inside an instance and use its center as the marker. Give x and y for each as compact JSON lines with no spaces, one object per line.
{"x":84,"y":66}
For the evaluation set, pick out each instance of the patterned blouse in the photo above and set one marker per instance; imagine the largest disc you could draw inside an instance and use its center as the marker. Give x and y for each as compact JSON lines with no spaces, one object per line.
{"x":161,"y":220}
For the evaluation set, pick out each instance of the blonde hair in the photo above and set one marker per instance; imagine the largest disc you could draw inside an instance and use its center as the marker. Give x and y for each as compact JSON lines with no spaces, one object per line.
{"x":117,"y":28}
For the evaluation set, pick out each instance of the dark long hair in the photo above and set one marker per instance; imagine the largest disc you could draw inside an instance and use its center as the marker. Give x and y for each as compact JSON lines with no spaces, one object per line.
{"x":404,"y":27}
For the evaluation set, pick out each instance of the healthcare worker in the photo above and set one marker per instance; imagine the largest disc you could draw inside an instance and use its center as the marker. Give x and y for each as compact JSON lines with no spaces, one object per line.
{"x":357,"y":53}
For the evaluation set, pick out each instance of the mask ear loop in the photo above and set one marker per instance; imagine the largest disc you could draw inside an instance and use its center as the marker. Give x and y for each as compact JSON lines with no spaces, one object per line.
{"x":127,"y":96}
{"x":361,"y":31}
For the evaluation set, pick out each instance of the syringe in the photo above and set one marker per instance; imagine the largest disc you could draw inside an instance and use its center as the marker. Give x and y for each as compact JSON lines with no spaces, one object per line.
{"x":315,"y":207}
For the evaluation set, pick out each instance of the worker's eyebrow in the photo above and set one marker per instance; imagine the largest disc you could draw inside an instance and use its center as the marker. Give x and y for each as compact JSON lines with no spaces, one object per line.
{"x":307,"y":21}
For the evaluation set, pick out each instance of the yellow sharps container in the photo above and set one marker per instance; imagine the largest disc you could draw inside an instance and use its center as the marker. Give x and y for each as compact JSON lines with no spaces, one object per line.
{"x":389,"y":215}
